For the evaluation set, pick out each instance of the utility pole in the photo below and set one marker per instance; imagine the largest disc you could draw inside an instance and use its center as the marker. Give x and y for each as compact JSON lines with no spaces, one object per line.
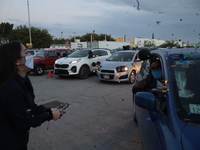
{"x":93,"y":35}
{"x":29,"y":44}
{"x":74,"y":36}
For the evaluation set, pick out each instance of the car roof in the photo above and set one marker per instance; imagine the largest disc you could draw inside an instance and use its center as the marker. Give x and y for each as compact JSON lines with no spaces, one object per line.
{"x":94,"y":49}
{"x":127,"y":51}
{"x":33,"y":49}
{"x":191,"y":52}
{"x":58,"y":50}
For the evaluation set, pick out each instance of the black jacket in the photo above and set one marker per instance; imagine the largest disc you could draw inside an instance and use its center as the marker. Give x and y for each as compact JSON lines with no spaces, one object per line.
{"x":18,"y":113}
{"x":150,"y":83}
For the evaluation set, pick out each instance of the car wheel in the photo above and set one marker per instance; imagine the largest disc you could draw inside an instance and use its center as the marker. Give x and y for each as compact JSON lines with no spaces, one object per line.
{"x":84,"y":72}
{"x":39,"y":70}
{"x":132,"y":77}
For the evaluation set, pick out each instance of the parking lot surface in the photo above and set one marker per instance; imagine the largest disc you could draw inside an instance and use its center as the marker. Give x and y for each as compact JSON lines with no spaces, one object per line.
{"x":99,"y":116}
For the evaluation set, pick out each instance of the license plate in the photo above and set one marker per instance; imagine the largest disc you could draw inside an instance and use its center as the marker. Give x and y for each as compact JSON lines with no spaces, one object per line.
{"x":106,"y":76}
{"x":194,"y":108}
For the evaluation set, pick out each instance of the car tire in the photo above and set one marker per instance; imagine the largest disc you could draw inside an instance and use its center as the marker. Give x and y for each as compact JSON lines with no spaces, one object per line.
{"x":84,"y":72}
{"x":132,"y":77}
{"x":39,"y":70}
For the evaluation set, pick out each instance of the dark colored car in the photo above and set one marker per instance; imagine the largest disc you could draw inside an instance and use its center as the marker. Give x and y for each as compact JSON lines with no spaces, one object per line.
{"x":169,"y":118}
{"x":45,"y":59}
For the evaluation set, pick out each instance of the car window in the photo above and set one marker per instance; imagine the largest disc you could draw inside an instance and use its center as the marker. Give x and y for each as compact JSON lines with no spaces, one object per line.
{"x":100,"y":53}
{"x":41,"y":54}
{"x":145,"y":68}
{"x":122,"y":56}
{"x":31,"y":52}
{"x":185,"y":75}
{"x":79,"y":53}
{"x":52,"y":54}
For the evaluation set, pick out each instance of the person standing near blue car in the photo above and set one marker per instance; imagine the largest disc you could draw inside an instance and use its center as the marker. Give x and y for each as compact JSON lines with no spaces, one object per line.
{"x":18,"y":111}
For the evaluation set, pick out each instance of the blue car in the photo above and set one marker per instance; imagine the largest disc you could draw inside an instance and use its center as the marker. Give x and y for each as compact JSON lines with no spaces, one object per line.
{"x":169,"y":119}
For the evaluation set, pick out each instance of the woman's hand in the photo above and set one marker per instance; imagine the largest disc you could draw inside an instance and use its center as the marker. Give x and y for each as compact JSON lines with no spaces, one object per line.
{"x":56,"y":114}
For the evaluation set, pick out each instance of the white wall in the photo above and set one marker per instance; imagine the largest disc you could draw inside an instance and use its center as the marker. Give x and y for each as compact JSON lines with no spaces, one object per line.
{"x":112,"y":45}
{"x":78,"y":45}
{"x":140,"y":42}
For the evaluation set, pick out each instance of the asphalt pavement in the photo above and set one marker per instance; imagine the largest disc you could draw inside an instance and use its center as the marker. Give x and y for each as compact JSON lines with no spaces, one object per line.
{"x":99,"y":116}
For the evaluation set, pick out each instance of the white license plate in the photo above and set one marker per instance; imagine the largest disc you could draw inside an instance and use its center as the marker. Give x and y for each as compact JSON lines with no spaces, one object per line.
{"x":106,"y":76}
{"x":194,"y":108}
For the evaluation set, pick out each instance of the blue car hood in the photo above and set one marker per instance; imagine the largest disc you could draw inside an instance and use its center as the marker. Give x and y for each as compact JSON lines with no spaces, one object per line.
{"x":190,"y":137}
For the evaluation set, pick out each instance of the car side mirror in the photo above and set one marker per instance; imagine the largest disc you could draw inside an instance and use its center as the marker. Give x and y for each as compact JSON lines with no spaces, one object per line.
{"x":58,"y":53}
{"x":146,"y":100}
{"x":90,"y":54}
{"x":64,"y":55}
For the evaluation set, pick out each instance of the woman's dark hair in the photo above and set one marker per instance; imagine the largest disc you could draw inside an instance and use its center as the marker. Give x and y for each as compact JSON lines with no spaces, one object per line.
{"x":9,"y":53}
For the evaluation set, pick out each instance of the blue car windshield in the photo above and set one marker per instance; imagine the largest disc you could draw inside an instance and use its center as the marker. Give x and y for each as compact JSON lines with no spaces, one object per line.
{"x":121,"y":56}
{"x":186,"y":80}
{"x":79,"y":54}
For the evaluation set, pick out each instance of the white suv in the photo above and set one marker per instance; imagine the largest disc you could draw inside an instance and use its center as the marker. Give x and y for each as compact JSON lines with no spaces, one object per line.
{"x":80,"y":62}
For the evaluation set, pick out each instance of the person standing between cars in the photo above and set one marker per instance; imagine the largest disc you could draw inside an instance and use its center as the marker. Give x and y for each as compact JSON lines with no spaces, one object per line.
{"x":153,"y":80}
{"x":18,"y":112}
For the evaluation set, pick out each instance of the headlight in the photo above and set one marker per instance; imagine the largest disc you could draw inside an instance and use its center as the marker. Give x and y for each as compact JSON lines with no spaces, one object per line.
{"x":98,"y":67}
{"x":122,"y":69}
{"x":56,"y":62}
{"x":74,"y":61}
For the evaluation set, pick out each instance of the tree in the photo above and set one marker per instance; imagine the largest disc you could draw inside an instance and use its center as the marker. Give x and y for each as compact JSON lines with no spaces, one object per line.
{"x":5,"y":29}
{"x":168,"y":44}
{"x":88,"y":36}
{"x":40,"y":37}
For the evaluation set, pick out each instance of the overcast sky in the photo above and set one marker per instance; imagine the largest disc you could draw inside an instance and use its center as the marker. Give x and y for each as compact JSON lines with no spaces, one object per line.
{"x":167,"y":19}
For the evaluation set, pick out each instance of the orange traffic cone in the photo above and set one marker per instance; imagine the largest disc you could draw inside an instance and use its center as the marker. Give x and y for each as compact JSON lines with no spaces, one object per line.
{"x":49,"y":74}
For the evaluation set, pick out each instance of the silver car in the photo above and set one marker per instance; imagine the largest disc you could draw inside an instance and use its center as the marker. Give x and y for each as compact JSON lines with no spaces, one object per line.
{"x":122,"y":66}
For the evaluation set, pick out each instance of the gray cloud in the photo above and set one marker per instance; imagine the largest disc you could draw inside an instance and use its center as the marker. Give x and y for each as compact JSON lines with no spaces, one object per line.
{"x":178,"y":18}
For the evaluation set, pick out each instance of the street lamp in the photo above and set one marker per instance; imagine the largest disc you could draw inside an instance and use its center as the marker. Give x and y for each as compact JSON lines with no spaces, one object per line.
{"x":61,"y":37}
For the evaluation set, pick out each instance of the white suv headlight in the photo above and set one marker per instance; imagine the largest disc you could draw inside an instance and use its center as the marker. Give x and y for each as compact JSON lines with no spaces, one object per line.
{"x":74,"y":61}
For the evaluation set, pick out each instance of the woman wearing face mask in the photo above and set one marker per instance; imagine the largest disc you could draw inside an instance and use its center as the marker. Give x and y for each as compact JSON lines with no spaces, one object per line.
{"x":18,"y":112}
{"x":152,"y":81}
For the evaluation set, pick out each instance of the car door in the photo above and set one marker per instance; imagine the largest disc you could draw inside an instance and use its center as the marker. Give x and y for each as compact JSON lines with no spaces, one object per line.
{"x":99,"y":56}
{"x":51,"y":57}
{"x":155,"y":125}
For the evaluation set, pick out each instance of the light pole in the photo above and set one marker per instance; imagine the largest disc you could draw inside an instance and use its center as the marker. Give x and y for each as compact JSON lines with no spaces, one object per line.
{"x":61,"y":37}
{"x":93,"y":35}
{"x":29,"y":44}
{"x":74,"y":36}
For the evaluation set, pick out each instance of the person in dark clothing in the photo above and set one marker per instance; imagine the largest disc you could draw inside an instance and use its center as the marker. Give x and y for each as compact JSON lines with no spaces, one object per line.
{"x":18,"y":111}
{"x":152,"y":81}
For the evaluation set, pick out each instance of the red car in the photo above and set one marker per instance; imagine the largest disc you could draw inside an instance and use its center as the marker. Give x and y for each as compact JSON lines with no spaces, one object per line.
{"x":45,"y":59}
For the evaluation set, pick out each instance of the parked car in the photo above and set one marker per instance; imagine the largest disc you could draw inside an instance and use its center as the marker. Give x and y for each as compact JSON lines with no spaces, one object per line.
{"x":116,"y":50}
{"x":81,"y":62}
{"x":33,"y":51}
{"x":169,"y":118}
{"x":122,"y":66}
{"x":45,"y":59}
